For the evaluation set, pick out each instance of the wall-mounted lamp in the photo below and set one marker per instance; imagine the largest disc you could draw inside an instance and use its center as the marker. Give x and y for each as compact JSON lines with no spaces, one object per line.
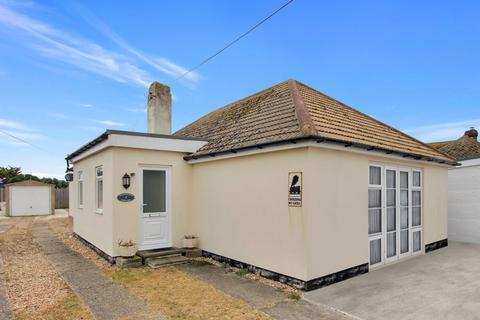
{"x":126,"y":181}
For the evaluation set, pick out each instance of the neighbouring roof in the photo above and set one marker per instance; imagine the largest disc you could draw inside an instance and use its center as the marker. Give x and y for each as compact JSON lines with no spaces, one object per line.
{"x":291,"y":110}
{"x":30,"y":183}
{"x":104,"y":136}
{"x":466,"y":147}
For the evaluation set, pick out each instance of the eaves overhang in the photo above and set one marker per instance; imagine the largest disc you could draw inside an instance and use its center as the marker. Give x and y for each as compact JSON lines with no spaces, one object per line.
{"x":319,"y":139}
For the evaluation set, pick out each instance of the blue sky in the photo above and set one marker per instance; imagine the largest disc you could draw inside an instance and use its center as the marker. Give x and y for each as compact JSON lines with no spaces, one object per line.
{"x":69,"y":70}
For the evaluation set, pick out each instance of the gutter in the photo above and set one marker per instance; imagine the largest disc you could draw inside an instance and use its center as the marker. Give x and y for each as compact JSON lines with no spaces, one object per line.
{"x":320,"y":139}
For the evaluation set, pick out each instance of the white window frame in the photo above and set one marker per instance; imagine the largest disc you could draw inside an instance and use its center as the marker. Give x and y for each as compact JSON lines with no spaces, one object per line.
{"x":80,"y":191}
{"x":97,"y":179}
{"x":419,"y":227}
{"x":376,"y":236}
{"x":412,"y":229}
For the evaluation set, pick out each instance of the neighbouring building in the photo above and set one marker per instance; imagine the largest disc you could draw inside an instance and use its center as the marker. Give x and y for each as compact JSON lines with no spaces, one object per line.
{"x":463,"y":187}
{"x":288,"y":182}
{"x":29,"y":198}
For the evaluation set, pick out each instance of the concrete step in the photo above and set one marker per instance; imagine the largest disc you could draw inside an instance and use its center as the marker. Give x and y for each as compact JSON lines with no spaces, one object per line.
{"x":145,"y":254}
{"x":165,"y":261}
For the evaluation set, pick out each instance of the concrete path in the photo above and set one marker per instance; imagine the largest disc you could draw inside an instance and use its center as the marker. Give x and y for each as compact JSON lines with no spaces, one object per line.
{"x":6,"y":312}
{"x":105,"y":298}
{"x":444,"y":284}
{"x":260,"y":296}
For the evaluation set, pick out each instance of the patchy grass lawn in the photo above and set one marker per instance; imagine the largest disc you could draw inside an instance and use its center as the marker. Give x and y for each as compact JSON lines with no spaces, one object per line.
{"x":34,"y":288}
{"x":69,"y":307}
{"x":179,"y":295}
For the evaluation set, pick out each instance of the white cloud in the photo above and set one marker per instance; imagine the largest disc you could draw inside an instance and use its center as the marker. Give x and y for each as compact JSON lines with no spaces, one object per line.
{"x":4,"y":123}
{"x":443,"y":131}
{"x":58,"y":115}
{"x":90,"y":56}
{"x":137,"y":110}
{"x":68,"y":48}
{"x":163,"y":65}
{"x":110,"y":123}
{"x":86,"y":105}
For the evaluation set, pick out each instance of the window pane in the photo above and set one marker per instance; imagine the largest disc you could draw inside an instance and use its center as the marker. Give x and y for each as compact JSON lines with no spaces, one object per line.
{"x":403,"y":218}
{"x":99,"y":172}
{"x":391,"y":201}
{"x":374,"y":198}
{"x":404,"y":197}
{"x":403,"y":241}
{"x":80,"y":193}
{"x":416,"y":216}
{"x":391,"y":244}
{"x":99,"y":194}
{"x":374,"y":221}
{"x":154,"y":191}
{"x":391,"y":219}
{"x":416,"y":179}
{"x":403,"y":179}
{"x":391,"y":179}
{"x":375,"y":175}
{"x":416,"y":198}
{"x":417,"y":241}
{"x":375,"y":251}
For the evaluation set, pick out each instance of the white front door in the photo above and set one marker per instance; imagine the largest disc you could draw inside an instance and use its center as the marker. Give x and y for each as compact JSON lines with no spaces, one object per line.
{"x":155,"y":191}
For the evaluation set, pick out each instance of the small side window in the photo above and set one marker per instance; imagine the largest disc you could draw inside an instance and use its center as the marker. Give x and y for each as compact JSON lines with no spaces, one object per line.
{"x":80,"y":189}
{"x":99,"y":189}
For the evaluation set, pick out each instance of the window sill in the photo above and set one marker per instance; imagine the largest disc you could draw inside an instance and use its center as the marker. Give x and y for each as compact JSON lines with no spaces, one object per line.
{"x":80,"y":207}
{"x":99,"y":211}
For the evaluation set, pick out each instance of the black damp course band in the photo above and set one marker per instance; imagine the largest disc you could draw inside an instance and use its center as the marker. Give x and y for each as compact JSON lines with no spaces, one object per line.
{"x":436,"y":245}
{"x":291,"y":281}
{"x":98,"y":251}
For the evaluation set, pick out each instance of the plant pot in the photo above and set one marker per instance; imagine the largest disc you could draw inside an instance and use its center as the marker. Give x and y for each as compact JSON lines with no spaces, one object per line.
{"x":127,"y":251}
{"x":190,"y":243}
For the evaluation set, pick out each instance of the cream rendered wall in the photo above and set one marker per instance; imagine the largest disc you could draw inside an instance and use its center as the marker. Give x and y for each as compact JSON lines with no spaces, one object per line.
{"x":336,"y":202}
{"x":435,"y":204}
{"x":239,"y":210}
{"x":126,"y":215}
{"x":464,"y":204}
{"x":94,"y":227}
{"x":336,"y":198}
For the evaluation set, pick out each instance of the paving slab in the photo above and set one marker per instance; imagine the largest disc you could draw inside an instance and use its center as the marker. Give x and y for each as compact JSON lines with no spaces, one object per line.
{"x":6,"y":312}
{"x":260,"y":296}
{"x":254,"y":293}
{"x":443,"y":284}
{"x":106,"y":299}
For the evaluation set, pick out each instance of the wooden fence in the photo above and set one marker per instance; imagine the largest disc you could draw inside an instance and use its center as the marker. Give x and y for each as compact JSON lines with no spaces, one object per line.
{"x":61,"y":198}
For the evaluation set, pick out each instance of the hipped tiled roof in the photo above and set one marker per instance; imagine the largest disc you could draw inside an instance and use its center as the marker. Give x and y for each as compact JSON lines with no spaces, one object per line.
{"x":465,"y":148}
{"x":291,"y":110}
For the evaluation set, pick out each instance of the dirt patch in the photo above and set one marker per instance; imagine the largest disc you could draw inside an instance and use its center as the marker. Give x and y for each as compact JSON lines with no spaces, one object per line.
{"x":32,"y":283}
{"x":181,"y":296}
{"x":69,"y":307}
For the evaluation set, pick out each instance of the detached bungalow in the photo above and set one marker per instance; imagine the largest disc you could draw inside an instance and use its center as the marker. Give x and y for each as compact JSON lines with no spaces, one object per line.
{"x":463,"y":187}
{"x":288,"y":182}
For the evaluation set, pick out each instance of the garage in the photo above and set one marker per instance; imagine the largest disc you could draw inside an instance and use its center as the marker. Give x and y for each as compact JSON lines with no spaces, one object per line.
{"x":29,"y":198}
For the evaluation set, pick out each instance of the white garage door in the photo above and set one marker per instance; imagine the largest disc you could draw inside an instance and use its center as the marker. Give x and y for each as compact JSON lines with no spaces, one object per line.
{"x":29,"y":201}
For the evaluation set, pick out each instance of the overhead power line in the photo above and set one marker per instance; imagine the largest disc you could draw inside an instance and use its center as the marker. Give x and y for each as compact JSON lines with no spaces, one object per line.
{"x":231,"y":43}
{"x":20,"y":139}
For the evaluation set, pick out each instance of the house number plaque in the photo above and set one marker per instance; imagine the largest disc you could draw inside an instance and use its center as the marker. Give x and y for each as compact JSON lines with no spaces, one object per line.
{"x":125,"y":197}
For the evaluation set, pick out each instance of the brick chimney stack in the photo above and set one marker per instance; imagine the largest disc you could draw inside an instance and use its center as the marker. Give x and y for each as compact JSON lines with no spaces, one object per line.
{"x":472,"y":133}
{"x":159,"y":109}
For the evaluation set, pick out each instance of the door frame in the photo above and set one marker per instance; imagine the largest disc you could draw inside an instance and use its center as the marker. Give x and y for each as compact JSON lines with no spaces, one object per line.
{"x":399,"y":256}
{"x":168,"y":204}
